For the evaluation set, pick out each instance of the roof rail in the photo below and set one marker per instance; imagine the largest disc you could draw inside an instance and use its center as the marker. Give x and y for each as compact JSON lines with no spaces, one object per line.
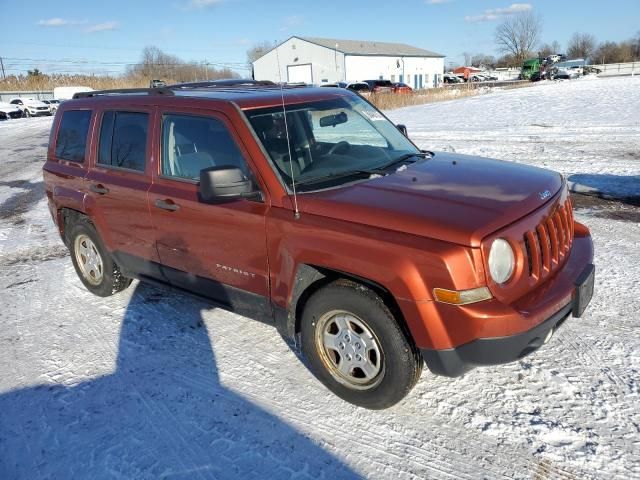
{"x":124,"y":91}
{"x":228,"y":82}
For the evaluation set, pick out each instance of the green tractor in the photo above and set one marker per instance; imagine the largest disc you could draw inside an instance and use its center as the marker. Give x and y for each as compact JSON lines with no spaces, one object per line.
{"x":529,"y":68}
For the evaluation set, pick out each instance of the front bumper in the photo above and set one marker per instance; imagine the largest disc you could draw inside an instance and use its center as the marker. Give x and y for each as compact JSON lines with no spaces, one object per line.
{"x":454,"y":362}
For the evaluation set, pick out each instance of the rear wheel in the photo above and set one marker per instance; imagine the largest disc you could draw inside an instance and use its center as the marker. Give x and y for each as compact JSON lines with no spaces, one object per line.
{"x":356,"y":348}
{"x":93,"y":264}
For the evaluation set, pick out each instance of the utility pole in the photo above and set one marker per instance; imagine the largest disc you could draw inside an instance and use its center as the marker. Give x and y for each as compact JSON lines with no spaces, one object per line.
{"x":4,"y":77}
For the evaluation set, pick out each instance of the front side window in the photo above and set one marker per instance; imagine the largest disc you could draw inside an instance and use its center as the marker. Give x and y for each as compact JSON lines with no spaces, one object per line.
{"x":329,"y":140}
{"x":123,"y":140}
{"x":192,"y":143}
{"x":71,"y":141}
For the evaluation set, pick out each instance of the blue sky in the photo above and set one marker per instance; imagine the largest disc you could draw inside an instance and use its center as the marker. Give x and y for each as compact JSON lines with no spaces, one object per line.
{"x":104,"y":36}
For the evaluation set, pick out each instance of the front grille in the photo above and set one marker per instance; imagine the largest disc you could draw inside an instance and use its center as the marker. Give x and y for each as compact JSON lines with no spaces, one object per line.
{"x":43,"y":108}
{"x":549,"y":243}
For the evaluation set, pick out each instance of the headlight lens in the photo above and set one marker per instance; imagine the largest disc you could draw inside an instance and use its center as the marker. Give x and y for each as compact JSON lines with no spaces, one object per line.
{"x":501,"y":261}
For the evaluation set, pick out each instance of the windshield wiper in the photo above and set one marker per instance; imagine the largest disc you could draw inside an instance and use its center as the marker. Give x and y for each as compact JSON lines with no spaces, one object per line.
{"x":381,"y":170}
{"x":400,"y":159}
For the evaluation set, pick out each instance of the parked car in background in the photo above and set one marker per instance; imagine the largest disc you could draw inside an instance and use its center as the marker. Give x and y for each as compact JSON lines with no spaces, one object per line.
{"x":448,"y":78}
{"x":361,"y":87}
{"x":53,"y":104}
{"x":9,"y":111}
{"x":31,"y":107}
{"x":380,"y":86}
{"x":402,"y":88}
{"x":567,"y":73}
{"x":157,"y":83}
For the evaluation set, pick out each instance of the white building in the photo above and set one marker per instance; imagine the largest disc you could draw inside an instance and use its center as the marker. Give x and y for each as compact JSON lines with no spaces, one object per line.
{"x":328,"y":60}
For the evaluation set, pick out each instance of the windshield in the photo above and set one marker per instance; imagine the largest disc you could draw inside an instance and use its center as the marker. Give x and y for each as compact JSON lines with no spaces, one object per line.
{"x":330,"y":140}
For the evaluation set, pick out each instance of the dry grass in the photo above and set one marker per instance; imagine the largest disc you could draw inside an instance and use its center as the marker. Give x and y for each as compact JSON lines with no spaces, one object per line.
{"x":49,"y":82}
{"x":389,"y":101}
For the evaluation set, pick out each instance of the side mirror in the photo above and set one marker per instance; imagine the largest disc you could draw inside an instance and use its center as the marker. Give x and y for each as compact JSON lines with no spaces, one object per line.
{"x":403,"y":129}
{"x":224,"y":183}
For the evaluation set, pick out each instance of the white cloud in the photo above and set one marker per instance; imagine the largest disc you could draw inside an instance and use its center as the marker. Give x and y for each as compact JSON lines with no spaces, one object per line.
{"x":60,"y":22}
{"x":496,"y":13}
{"x":292,"y":21}
{"x":436,"y":2}
{"x":198,"y":4}
{"x":102,"y":27}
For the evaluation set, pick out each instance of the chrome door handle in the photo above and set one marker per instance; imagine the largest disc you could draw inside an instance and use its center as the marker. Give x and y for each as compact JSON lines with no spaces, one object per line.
{"x":167,"y":205}
{"x":98,"y":188}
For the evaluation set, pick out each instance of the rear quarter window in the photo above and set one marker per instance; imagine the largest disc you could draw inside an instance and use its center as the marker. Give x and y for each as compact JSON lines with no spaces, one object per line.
{"x":123,"y":140}
{"x":71,"y":141}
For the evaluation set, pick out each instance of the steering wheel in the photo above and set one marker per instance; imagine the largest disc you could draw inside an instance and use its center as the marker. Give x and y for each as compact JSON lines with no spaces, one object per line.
{"x":339,"y":146}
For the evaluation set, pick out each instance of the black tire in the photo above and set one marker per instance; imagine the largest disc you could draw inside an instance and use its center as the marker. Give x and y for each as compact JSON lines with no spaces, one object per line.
{"x":401,"y":361}
{"x":27,"y":113}
{"x":111,"y":280}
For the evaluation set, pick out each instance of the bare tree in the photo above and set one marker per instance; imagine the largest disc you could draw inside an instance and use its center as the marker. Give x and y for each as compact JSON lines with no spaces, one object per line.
{"x":547,"y":49}
{"x":482,"y":60}
{"x":581,"y":45}
{"x":258,"y":51}
{"x":467,"y":58}
{"x":518,"y":35}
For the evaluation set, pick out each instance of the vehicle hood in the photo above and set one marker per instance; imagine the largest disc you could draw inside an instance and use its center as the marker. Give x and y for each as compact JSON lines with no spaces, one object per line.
{"x":34,"y":103}
{"x":450,"y":197}
{"x":7,"y":107}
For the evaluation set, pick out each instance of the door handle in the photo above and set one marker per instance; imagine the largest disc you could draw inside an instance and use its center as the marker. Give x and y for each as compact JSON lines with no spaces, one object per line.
{"x":98,"y":188}
{"x":167,"y":205}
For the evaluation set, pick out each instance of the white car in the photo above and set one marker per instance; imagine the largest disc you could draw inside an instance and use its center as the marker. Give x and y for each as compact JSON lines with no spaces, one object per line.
{"x":53,"y":104}
{"x":31,"y":107}
{"x":8,"y":111}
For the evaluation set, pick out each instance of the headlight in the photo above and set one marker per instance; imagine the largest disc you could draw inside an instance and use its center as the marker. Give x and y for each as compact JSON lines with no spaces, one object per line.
{"x":501,"y":261}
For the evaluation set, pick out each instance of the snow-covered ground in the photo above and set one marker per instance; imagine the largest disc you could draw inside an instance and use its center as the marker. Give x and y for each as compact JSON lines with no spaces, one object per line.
{"x":151,"y":383}
{"x":587,"y":129}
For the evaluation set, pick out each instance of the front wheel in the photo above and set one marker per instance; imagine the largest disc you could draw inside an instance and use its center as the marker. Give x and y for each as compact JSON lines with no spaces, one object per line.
{"x":356,"y":348}
{"x":27,"y":113}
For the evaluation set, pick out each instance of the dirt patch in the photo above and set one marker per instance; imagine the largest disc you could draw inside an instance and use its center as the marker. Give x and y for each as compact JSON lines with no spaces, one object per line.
{"x":21,"y":202}
{"x":626,"y":210}
{"x":36,"y":254}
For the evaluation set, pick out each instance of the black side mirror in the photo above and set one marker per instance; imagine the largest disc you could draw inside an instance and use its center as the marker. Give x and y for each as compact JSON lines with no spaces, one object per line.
{"x":224,"y":183}
{"x":403,"y":129}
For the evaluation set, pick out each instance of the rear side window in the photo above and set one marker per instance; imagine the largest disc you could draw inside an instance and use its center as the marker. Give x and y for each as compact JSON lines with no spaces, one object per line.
{"x":72,"y":135}
{"x":123,"y":140}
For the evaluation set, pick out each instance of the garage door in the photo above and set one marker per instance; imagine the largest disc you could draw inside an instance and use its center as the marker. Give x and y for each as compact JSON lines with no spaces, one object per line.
{"x":299,"y":73}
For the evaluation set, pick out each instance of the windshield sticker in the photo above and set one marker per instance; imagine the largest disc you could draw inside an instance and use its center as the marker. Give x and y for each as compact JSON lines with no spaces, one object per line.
{"x":373,"y":115}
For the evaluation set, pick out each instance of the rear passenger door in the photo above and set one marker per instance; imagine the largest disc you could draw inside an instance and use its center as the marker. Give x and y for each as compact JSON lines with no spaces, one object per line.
{"x":215,"y":250}
{"x":118,"y":182}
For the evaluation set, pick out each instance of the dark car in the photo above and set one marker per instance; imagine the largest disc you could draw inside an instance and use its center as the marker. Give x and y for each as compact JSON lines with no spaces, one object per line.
{"x":402,"y":88}
{"x":307,"y":209}
{"x":380,"y":86}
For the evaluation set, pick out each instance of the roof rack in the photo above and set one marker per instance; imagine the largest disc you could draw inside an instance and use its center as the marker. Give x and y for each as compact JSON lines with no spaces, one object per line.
{"x":228,"y":82}
{"x":149,"y":91}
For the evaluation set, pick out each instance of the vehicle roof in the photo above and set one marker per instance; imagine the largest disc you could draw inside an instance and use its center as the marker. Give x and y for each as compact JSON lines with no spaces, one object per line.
{"x":245,"y":97}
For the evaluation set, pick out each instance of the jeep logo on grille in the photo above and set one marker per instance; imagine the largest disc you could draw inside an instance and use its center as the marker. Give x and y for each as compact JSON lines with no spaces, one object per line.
{"x":544,"y":195}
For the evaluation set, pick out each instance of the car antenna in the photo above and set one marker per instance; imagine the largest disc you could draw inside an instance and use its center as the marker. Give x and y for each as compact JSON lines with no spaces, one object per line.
{"x":296,"y":212}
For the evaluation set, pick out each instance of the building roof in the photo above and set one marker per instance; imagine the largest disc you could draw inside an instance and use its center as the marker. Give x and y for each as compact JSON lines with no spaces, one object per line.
{"x":363,"y":47}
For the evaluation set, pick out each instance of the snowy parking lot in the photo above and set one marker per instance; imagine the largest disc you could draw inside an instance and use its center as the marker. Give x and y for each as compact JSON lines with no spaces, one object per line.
{"x":151,"y":383}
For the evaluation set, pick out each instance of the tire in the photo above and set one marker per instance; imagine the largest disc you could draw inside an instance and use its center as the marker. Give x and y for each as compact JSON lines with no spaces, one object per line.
{"x":360,"y":331}
{"x":94,"y":265}
{"x":27,"y":113}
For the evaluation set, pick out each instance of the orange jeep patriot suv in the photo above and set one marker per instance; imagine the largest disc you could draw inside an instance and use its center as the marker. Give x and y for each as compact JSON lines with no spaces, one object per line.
{"x":307,"y":209}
